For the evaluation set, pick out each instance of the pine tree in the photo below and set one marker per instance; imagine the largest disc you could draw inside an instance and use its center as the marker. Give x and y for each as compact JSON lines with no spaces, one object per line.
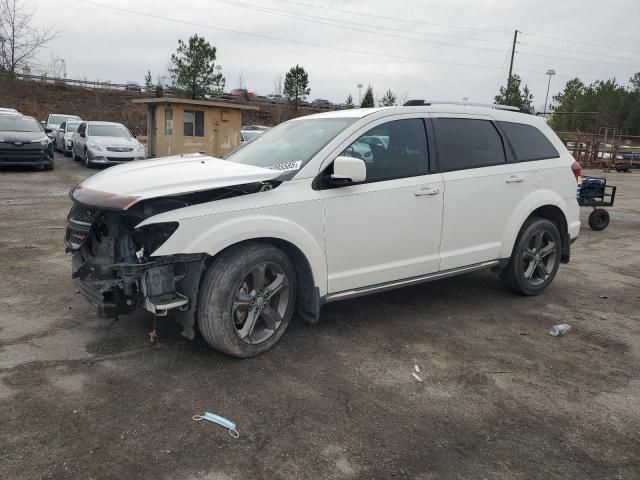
{"x":349,"y":103}
{"x":389,"y":99}
{"x":368,"y":100}
{"x":296,"y":85}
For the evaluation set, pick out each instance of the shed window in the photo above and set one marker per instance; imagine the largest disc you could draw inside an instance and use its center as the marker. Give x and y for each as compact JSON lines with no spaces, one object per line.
{"x":193,"y":123}
{"x":168,"y":121}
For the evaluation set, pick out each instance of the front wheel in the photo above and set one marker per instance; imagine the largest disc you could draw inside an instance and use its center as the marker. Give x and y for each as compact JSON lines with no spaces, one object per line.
{"x":247,"y":299}
{"x":535,"y":258}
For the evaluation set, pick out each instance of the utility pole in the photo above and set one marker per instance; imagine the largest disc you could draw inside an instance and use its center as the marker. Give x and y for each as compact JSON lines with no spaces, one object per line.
{"x":513,"y":53}
{"x":550,"y":72}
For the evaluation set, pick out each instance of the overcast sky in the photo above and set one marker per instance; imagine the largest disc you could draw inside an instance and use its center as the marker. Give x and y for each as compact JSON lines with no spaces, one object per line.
{"x":425,"y":49}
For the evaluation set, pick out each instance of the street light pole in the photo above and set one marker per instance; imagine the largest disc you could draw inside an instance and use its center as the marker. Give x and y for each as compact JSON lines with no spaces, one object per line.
{"x":550,"y":72}
{"x":359,"y":93}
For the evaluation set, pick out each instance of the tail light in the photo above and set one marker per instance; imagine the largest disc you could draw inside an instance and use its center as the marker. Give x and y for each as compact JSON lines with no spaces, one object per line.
{"x":576,"y":168}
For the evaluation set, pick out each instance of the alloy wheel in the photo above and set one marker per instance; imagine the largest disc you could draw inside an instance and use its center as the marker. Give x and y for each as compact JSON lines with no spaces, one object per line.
{"x":260,"y":303}
{"x":539,"y":257}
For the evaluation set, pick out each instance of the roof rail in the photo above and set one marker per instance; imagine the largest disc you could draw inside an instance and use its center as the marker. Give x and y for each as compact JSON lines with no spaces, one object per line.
{"x":426,"y":103}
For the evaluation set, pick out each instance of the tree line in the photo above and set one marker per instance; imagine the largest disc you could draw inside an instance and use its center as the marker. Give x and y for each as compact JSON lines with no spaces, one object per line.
{"x":578,"y":106}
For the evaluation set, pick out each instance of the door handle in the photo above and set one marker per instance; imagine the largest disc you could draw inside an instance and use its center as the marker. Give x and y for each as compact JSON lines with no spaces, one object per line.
{"x":427,"y":191}
{"x":514,"y":179}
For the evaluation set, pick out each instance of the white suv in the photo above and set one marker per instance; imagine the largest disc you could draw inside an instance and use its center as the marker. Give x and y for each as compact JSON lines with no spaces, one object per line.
{"x":323,"y":208}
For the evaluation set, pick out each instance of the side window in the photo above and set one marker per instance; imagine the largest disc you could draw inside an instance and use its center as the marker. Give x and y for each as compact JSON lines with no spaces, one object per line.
{"x":528,"y":142}
{"x":467,"y":143}
{"x":193,"y":123}
{"x":188,"y":123}
{"x":392,"y":150}
{"x":168,"y":121}
{"x":199,"y":123}
{"x":82,"y":128}
{"x":63,"y":126}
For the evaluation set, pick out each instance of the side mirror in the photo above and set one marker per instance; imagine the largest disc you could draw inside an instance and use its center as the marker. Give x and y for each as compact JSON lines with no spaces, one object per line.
{"x":349,"y":169}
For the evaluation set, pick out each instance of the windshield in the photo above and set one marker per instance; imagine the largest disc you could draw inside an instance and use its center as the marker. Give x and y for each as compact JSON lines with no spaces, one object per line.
{"x":10,"y":123}
{"x":58,"y":119}
{"x":290,"y":145}
{"x":108,"y":131}
{"x":72,"y":127}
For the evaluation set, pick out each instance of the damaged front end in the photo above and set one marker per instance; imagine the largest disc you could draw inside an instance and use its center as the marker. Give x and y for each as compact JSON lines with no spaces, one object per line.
{"x":113,"y":269}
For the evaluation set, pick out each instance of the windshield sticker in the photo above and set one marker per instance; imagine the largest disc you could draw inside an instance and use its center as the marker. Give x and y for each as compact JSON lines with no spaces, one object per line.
{"x":286,"y":167}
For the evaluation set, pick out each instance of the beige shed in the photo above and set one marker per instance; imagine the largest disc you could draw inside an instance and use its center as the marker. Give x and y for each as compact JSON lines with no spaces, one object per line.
{"x":179,"y":125}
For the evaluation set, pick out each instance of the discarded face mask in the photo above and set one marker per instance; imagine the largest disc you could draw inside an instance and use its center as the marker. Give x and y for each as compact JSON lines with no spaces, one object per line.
{"x":212,"y":417}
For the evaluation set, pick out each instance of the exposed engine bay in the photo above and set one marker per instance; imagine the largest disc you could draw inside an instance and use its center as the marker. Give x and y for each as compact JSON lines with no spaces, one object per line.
{"x":113,"y":264}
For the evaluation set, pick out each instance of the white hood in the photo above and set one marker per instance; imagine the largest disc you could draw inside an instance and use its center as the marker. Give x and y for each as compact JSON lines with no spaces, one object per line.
{"x":174,"y":175}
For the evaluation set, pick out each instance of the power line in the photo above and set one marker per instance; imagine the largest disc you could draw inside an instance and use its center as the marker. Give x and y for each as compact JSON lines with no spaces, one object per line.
{"x":578,"y":60}
{"x":583,"y":43}
{"x":286,"y":40}
{"x":581,"y":52}
{"x":387,"y":17}
{"x":349,"y":25}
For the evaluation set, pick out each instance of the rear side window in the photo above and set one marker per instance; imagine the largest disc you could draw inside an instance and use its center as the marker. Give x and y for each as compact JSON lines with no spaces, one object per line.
{"x":467,"y":143}
{"x":528,"y":142}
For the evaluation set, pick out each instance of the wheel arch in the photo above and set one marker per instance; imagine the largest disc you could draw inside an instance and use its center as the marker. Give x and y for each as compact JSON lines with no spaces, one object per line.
{"x":308,"y":295}
{"x":543,"y":204}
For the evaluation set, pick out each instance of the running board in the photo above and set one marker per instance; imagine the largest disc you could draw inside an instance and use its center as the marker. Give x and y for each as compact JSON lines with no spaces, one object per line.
{"x":382,"y":287}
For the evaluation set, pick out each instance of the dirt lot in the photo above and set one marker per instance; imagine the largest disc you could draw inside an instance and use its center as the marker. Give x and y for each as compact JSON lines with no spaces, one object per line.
{"x":83,"y":398}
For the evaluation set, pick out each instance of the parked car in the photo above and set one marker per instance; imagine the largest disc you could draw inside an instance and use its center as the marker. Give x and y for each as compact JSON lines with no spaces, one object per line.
{"x":64,"y":136}
{"x":295,"y":219}
{"x":11,"y":111}
{"x":105,"y":143}
{"x":53,"y":121}
{"x":275,"y":98}
{"x":24,"y":143}
{"x":242,"y":93}
{"x":133,"y":87}
{"x":321,"y":103}
{"x":250,"y":132}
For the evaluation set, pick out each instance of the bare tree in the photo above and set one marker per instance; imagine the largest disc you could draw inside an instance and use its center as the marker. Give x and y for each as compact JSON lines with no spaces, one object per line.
{"x":280,"y":108}
{"x":403,"y":97}
{"x":20,"y":40}
{"x":57,"y":67}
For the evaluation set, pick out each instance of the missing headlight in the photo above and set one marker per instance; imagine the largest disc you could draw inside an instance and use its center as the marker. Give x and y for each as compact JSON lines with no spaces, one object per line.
{"x":152,"y":236}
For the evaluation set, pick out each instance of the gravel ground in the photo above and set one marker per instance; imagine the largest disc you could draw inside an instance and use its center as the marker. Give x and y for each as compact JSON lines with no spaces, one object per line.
{"x":82,"y":397}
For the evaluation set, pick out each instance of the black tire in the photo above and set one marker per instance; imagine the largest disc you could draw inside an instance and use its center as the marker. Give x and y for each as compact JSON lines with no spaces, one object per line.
{"x":48,"y":166}
{"x":75,"y":157}
{"x":86,"y":159}
{"x":220,"y":291}
{"x":67,"y":154}
{"x":525,"y":253}
{"x":599,"y":219}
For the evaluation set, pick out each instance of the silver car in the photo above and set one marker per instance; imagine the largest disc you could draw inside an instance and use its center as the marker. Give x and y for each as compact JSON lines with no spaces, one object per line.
{"x":53,"y":121}
{"x":105,"y":143}
{"x":64,"y":136}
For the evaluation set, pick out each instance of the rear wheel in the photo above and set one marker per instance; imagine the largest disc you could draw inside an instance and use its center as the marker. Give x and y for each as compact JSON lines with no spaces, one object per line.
{"x":76,"y":158}
{"x":247,"y":299}
{"x":599,"y":219}
{"x":87,"y":163}
{"x":535,"y":258}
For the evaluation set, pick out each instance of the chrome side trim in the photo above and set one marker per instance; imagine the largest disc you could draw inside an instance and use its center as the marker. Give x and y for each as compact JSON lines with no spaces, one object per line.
{"x":382,"y":287}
